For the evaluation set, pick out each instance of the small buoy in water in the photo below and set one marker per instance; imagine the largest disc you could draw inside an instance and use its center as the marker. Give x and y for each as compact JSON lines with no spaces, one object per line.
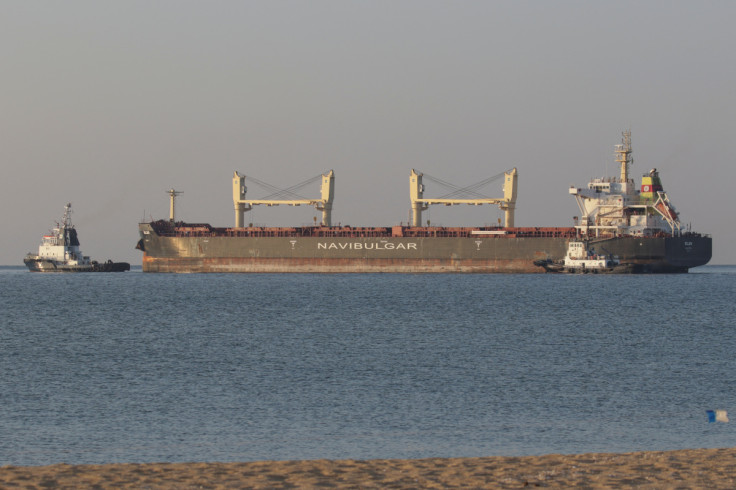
{"x":717,"y":416}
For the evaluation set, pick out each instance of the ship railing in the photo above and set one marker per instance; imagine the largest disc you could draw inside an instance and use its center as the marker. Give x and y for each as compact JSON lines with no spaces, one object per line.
{"x":499,"y":233}
{"x":166,"y":229}
{"x":307,"y":231}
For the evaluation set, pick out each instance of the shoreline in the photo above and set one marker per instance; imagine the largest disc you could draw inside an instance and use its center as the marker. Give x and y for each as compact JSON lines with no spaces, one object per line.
{"x":688,"y":468}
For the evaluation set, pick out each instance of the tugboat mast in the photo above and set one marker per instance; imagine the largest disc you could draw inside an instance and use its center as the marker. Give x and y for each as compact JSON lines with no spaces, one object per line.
{"x":66,"y":225}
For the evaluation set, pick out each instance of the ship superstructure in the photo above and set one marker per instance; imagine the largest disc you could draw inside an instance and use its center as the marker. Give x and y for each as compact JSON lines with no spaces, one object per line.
{"x":638,"y":226}
{"x":615,"y":206}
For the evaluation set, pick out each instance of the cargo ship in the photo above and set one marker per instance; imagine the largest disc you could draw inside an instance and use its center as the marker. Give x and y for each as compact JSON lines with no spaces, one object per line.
{"x":59,"y":252}
{"x":636,"y":224}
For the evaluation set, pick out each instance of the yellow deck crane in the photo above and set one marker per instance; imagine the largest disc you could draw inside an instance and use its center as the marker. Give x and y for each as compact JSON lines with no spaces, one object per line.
{"x":323,"y":204}
{"x":419,"y":203}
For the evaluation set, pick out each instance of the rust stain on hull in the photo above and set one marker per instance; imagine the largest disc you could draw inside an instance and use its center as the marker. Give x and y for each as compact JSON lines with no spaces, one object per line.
{"x":335,"y":265}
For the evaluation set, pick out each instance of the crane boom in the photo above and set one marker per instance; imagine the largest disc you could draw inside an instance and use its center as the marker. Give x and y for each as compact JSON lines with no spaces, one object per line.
{"x":507,"y":203}
{"x":323,"y":204}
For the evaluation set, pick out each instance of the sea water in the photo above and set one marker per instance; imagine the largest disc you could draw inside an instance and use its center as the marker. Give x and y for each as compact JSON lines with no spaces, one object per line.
{"x":135,"y":367}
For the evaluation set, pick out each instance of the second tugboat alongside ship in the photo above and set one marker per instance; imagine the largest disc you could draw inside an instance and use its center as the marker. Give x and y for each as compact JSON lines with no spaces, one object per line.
{"x":638,"y":228}
{"x":580,"y":260}
{"x":59,"y":252}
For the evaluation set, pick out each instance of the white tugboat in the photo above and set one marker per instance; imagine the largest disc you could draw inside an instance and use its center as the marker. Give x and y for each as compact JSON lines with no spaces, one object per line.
{"x":579,"y":259}
{"x":59,"y":252}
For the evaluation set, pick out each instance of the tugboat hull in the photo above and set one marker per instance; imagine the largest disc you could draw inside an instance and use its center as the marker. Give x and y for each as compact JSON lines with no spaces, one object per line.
{"x":36,"y":264}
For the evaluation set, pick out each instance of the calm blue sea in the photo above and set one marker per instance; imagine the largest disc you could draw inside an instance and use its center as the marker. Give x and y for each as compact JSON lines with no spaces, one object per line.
{"x":133,"y":367}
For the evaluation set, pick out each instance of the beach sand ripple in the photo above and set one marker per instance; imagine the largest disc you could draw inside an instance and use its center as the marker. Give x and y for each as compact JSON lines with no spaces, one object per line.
{"x":696,"y":468}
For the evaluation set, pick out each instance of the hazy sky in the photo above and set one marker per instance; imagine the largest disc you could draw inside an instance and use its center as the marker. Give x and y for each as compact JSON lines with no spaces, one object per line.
{"x":109,"y":104}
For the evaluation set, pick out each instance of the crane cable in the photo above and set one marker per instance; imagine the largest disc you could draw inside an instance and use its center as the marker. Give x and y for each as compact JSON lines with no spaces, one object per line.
{"x":469,"y":190}
{"x":283,"y":194}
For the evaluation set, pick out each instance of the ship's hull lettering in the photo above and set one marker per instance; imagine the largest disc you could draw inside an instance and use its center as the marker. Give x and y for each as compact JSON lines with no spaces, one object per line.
{"x":366,"y":246}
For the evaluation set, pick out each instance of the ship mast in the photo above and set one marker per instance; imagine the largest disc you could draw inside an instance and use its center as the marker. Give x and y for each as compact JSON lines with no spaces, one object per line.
{"x":66,"y":224}
{"x":66,"y":220}
{"x":172,"y":206}
{"x":623,"y":156}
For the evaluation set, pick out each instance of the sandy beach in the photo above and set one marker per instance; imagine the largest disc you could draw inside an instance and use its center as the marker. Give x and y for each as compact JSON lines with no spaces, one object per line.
{"x":696,"y":468}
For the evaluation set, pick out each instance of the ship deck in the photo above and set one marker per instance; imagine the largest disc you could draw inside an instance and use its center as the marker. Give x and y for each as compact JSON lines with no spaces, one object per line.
{"x":167,"y":229}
